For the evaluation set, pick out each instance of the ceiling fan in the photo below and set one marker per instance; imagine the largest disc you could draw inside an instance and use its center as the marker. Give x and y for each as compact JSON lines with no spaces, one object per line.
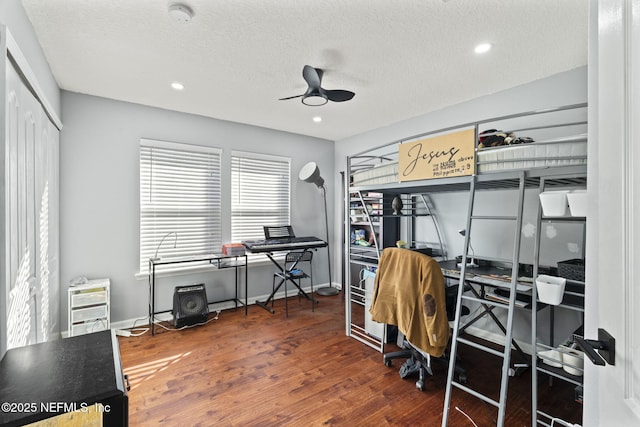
{"x":315,"y":94}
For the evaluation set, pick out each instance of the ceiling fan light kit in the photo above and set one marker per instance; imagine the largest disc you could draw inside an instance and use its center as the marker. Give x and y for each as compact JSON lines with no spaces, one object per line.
{"x":315,"y":100}
{"x":315,"y":95}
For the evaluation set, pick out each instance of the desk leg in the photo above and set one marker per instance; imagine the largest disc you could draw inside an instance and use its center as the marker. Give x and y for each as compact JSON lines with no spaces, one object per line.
{"x":239,"y":284}
{"x":152,"y":297}
{"x":235,"y":301}
{"x":246,"y":284}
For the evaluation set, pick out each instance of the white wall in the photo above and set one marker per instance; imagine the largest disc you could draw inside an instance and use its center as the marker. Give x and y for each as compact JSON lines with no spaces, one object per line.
{"x":562,"y":89}
{"x":566,"y":88}
{"x":99,"y":200}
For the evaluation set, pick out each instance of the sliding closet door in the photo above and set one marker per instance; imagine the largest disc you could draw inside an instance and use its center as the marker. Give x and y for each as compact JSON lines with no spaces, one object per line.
{"x":31,"y":209}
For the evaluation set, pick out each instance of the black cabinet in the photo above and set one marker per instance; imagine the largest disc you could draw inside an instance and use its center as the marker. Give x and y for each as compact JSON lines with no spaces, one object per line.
{"x":50,"y":379}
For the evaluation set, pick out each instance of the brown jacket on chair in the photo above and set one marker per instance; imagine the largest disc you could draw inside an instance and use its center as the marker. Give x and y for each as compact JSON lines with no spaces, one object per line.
{"x":409,"y":292}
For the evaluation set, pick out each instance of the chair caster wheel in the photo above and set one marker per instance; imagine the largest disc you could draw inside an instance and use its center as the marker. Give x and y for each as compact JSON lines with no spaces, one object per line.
{"x":420,"y":385}
{"x":387,"y":363}
{"x":462,"y":379}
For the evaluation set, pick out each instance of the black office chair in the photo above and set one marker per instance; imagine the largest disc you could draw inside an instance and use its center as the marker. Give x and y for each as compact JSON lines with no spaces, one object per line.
{"x":420,"y":362}
{"x":291,"y":263}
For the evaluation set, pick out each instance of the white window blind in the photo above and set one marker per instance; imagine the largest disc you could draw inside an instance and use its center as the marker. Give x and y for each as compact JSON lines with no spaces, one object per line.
{"x":179,"y":200}
{"x":260,"y":194}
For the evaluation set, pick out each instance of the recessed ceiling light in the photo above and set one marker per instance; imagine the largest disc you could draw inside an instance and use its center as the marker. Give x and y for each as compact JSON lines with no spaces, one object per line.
{"x":317,"y":119}
{"x":177,"y":85}
{"x":483,"y":48}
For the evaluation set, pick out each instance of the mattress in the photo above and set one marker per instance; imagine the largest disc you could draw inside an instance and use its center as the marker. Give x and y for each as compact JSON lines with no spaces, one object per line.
{"x":572,"y":151}
{"x":534,"y":155}
{"x":380,"y":174}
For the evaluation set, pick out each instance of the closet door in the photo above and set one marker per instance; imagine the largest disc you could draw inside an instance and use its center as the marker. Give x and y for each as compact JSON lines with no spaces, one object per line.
{"x":31,"y":207}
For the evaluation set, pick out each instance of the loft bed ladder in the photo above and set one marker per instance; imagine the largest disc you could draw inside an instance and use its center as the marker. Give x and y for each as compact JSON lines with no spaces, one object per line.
{"x":505,"y":354}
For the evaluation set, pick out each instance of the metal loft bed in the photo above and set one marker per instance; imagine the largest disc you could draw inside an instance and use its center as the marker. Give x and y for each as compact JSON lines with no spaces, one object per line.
{"x":517,"y":151}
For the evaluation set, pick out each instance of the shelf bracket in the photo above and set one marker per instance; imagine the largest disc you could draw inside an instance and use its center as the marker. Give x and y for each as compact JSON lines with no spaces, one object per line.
{"x":605,"y":345}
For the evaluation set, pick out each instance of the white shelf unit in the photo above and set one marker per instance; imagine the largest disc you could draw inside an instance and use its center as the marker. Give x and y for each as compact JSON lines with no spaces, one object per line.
{"x":555,"y":367}
{"x":371,"y":213}
{"x":364,"y":216}
{"x":89,"y":307}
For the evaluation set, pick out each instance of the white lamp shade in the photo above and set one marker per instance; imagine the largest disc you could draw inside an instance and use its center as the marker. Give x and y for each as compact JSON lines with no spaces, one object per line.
{"x":311,"y":173}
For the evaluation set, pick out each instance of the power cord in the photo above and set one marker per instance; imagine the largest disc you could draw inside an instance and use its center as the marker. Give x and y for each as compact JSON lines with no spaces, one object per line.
{"x":468,"y":417}
{"x":133,"y":331}
{"x":188,"y":326}
{"x":137,"y":332}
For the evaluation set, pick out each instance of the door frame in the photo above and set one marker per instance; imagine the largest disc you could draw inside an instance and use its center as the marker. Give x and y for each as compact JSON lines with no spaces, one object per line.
{"x":612,"y":393}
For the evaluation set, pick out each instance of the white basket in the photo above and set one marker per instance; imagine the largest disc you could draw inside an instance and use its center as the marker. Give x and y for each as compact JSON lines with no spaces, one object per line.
{"x":572,"y":360}
{"x":554,"y":203}
{"x":577,"y":202}
{"x":551,"y":357}
{"x":550,"y":289}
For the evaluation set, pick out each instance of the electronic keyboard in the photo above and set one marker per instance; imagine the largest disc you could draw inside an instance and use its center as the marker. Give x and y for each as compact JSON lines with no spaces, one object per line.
{"x":283,"y":244}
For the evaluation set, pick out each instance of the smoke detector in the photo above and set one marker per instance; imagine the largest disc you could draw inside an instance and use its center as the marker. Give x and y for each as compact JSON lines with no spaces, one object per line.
{"x":180,"y":13}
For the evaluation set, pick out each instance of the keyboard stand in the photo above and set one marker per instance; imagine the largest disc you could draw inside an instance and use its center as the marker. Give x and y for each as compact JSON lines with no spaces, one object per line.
{"x":282,"y":268}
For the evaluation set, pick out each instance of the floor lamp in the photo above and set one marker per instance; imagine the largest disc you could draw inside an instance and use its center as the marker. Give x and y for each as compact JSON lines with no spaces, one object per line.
{"x":311,"y":173}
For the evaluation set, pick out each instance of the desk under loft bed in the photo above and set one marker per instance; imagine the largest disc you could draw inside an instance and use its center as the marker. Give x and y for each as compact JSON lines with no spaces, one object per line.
{"x":540,"y":150}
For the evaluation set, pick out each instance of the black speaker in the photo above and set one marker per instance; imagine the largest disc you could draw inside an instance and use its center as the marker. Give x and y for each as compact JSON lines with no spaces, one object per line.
{"x":189,"y":305}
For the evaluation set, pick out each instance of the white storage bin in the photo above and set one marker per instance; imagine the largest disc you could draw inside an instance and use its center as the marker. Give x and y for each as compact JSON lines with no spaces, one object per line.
{"x":91,"y":313}
{"x":550,"y":289}
{"x":577,"y":202}
{"x":88,"y":327}
{"x":554,"y":203}
{"x":90,"y":297}
{"x":371,"y":327}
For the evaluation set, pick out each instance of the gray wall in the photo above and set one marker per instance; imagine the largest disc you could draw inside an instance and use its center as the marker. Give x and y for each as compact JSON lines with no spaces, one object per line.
{"x":562,"y":89}
{"x":99,"y":203}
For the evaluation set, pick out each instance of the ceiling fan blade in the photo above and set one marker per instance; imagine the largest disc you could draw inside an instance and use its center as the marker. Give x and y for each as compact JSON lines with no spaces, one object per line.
{"x":290,"y":97}
{"x":339,"y":95}
{"x":313,"y":76}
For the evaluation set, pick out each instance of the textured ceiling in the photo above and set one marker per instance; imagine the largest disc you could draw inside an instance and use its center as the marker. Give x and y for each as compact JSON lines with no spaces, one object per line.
{"x":402,"y":58}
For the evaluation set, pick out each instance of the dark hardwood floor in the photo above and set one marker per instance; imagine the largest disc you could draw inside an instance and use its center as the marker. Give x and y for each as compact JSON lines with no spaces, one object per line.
{"x":269,"y":370}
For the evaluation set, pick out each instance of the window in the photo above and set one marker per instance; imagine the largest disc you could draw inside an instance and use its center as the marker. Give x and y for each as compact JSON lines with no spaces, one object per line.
{"x":179,"y":200}
{"x":260,"y":187}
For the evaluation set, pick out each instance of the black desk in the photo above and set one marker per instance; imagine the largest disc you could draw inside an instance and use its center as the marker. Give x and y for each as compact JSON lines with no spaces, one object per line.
{"x":45,"y":380}
{"x":478,"y":280}
{"x":271,"y":246}
{"x":218,"y":260}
